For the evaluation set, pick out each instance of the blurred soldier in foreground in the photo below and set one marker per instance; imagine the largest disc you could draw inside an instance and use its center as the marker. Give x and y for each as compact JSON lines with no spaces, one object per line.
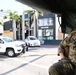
{"x":67,"y":51}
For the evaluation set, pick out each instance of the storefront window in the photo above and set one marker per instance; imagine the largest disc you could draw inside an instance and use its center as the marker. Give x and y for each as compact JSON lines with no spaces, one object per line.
{"x":45,"y":22}
{"x":46,"y":34}
{"x":46,"y":28}
{"x":50,"y":21}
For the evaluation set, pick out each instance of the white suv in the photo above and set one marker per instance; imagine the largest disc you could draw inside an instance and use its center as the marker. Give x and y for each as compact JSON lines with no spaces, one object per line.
{"x":10,"y":47}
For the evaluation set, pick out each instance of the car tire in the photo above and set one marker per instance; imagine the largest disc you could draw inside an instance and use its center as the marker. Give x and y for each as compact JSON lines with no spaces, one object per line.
{"x":10,"y":53}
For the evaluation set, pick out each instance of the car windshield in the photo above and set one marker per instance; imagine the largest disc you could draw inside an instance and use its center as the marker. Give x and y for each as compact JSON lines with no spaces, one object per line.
{"x":7,"y":39}
{"x":32,"y":38}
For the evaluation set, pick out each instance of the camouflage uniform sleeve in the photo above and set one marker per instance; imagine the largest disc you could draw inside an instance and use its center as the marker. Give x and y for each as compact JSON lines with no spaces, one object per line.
{"x":62,"y":46}
{"x":60,"y":49}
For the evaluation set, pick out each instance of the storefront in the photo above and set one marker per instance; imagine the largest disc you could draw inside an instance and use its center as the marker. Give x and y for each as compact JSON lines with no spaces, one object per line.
{"x":46,"y":27}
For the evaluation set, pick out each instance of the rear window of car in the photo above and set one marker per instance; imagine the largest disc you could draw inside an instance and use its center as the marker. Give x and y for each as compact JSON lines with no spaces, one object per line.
{"x":32,"y":38}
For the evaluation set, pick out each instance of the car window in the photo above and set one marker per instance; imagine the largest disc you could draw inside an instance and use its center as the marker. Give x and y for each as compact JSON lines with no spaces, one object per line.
{"x":7,"y":39}
{"x":1,"y":41}
{"x":32,"y":38}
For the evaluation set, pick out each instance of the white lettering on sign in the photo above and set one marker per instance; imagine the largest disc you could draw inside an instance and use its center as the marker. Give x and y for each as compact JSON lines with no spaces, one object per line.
{"x":44,"y":27}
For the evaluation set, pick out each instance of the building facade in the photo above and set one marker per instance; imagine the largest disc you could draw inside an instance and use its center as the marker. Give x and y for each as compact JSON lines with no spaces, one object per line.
{"x":46,"y":27}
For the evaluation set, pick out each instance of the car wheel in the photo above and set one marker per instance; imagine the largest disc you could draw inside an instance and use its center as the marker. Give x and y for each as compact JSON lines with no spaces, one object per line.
{"x":10,"y":52}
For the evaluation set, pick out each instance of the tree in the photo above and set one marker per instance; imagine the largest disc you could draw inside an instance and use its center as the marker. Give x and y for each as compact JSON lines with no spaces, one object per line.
{"x":1,"y":26}
{"x":16,"y":20}
{"x":1,"y":22}
{"x":29,"y":18}
{"x":14,"y":16}
{"x":34,"y":16}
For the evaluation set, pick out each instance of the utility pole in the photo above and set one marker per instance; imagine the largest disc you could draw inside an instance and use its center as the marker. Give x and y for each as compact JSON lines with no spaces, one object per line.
{"x":14,"y":29}
{"x":23,"y":26}
{"x":29,"y":24}
{"x":35,"y":27}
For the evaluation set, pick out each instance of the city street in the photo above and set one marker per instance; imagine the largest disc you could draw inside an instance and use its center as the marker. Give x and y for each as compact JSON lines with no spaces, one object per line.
{"x":36,"y":61}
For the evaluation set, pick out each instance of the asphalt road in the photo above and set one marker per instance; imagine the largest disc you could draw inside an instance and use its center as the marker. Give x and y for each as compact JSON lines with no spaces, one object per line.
{"x":36,"y":61}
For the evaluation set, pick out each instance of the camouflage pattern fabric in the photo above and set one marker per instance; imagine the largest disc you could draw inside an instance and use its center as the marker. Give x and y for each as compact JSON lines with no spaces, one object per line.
{"x":72,"y":48}
{"x":68,"y":47}
{"x":63,"y":67}
{"x":64,"y":47}
{"x":66,"y":66}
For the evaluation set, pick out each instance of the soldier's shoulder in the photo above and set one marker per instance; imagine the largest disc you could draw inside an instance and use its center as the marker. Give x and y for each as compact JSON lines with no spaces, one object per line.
{"x":65,"y":41}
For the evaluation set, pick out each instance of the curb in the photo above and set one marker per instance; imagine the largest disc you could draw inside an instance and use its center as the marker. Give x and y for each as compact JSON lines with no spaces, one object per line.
{"x":50,"y":45}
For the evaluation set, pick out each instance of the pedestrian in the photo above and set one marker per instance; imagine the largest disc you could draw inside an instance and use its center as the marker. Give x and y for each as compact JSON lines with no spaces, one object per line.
{"x":67,"y":52}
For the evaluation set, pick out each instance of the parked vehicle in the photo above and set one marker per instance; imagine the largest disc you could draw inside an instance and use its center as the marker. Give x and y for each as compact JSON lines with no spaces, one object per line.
{"x":32,"y":41}
{"x":10,"y":47}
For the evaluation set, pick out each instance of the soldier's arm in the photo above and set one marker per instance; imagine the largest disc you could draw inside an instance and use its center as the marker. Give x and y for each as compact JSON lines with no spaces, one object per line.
{"x":62,"y":56}
{"x":61,"y":52}
{"x":62,"y":48}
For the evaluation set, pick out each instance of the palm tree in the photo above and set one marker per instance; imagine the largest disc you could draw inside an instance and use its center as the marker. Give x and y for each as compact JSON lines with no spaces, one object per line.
{"x":16,"y":20}
{"x":29,"y":17}
{"x":1,"y":22}
{"x":34,"y":16}
{"x":1,"y":26}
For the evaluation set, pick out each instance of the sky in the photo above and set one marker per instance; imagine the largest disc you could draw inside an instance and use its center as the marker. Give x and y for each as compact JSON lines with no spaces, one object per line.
{"x":13,"y":5}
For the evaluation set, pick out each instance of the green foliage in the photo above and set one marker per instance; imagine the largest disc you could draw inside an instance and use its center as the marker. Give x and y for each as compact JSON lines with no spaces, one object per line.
{"x":28,"y":11}
{"x":1,"y":22}
{"x":34,"y":13}
{"x":14,"y":16}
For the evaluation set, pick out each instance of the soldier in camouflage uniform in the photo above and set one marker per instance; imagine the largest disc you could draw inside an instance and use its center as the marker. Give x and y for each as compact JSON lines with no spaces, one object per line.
{"x":66,"y":65}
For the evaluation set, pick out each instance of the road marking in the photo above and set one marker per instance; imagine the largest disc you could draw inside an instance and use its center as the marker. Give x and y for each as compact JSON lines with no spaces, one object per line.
{"x":31,"y":63}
